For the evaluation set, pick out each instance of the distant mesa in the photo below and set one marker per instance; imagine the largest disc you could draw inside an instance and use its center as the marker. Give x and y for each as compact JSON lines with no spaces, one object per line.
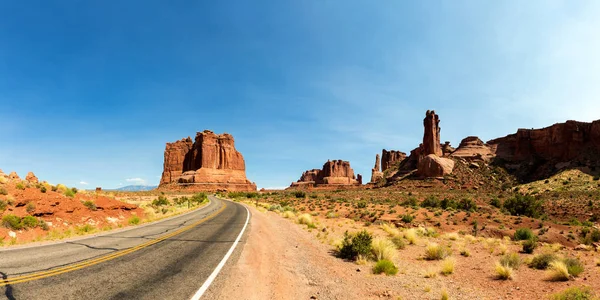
{"x":335,"y":173}
{"x":209,"y":163}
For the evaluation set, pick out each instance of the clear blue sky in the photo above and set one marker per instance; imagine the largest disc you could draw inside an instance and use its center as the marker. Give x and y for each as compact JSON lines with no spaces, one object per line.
{"x":90,"y":91}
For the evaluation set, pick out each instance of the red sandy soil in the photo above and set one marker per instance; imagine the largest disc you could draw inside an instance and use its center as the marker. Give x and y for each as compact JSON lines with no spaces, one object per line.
{"x":284,"y":260}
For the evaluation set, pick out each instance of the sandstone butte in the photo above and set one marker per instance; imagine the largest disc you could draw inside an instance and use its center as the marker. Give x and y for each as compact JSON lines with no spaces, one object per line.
{"x":334,"y":174}
{"x":209,"y":163}
{"x":529,"y":154}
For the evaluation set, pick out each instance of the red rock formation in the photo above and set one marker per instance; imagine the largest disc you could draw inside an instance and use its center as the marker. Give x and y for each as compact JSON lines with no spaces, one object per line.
{"x":434,"y":166}
{"x":390,"y":158}
{"x":533,"y":154}
{"x":210,"y":163}
{"x":31,"y":178}
{"x":333,"y":173}
{"x":430,"y":161}
{"x":376,"y":174}
{"x":447,"y":149}
{"x":14,"y":176}
{"x":431,"y":138}
{"x":472,"y":148}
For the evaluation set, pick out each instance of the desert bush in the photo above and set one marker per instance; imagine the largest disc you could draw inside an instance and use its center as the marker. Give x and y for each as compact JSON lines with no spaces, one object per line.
{"x":299,"y":194}
{"x":354,"y":245}
{"x":199,"y":198}
{"x":542,"y":261}
{"x":504,"y":272}
{"x":448,"y":203}
{"x":2,"y":205}
{"x":12,"y":222}
{"x":575,"y":293}
{"x":448,"y":266}
{"x":524,"y":205}
{"x":529,"y":245}
{"x":89,"y":204}
{"x":69,"y":193}
{"x":495,"y":202}
{"x":383,"y":249}
{"x":3,"y":191}
{"x":288,"y":214}
{"x":134,"y":220}
{"x":433,"y":251}
{"x":431,"y":201}
{"x":398,"y":241}
{"x":574,"y":266}
{"x":445,"y":295}
{"x":43,"y":225}
{"x":411,"y":201}
{"x":407,"y":218}
{"x":29,"y":222}
{"x":305,"y":219}
{"x":558,"y":271}
{"x":20,"y":186}
{"x":43,"y":189}
{"x":160,"y":201}
{"x":275,"y":207}
{"x":512,"y":260}
{"x":467,"y":204}
{"x":30,"y":207}
{"x":87,"y":228}
{"x":522,"y":234}
{"x":385,"y":266}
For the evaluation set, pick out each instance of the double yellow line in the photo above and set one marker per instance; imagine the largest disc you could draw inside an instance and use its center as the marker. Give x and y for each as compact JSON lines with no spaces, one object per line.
{"x":91,"y":262}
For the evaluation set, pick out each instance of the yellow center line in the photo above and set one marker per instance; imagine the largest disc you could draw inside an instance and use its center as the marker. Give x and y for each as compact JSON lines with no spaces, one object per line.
{"x":91,"y":262}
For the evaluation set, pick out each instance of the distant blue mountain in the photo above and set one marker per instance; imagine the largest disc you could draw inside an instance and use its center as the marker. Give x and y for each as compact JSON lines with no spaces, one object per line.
{"x":136,"y":188}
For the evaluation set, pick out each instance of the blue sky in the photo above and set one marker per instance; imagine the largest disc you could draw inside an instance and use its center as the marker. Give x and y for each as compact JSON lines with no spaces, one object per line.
{"x":90,"y":91}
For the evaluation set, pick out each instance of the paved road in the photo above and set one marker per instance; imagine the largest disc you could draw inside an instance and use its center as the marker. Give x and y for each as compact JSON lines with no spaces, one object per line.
{"x":170,"y":259}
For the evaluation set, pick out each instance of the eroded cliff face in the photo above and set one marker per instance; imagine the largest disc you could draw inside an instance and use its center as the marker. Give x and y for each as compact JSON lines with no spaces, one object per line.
{"x":390,"y":158}
{"x":334,"y":173}
{"x":533,"y":154}
{"x":472,"y":148}
{"x":209,"y":163}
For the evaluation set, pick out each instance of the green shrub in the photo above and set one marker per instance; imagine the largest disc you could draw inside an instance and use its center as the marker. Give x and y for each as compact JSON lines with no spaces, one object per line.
{"x":529,"y":245}
{"x":521,"y":205}
{"x":43,"y":225}
{"x":299,"y":194}
{"x":399,"y":242}
{"x":87,"y":228}
{"x":354,"y":245}
{"x":542,"y":261}
{"x":574,"y":265}
{"x":467,"y":205}
{"x":199,"y":198}
{"x":89,"y":204}
{"x":431,"y":201}
{"x":69,"y":193}
{"x":2,"y":205}
{"x":361,"y":204}
{"x":385,"y":266}
{"x":411,"y":201}
{"x":29,"y":222}
{"x":511,"y":259}
{"x":12,"y":222}
{"x":3,"y":191}
{"x":523,"y":234}
{"x":43,"y":189}
{"x":575,"y":293}
{"x":134,"y":220}
{"x":448,"y":203}
{"x":407,"y":218}
{"x":495,"y":202}
{"x":160,"y":201}
{"x":30,"y":207}
{"x":20,"y":186}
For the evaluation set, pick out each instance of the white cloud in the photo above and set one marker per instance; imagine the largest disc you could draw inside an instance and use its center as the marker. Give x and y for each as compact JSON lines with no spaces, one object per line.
{"x":83,"y":183}
{"x":136,"y":180}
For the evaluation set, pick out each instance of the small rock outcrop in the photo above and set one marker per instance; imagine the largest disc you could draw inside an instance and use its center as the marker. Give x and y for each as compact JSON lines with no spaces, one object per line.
{"x":334,"y":173}
{"x":31,"y":178}
{"x":430,"y":161}
{"x":13,"y":176}
{"x":390,"y":158}
{"x":472,"y":148}
{"x":209,"y":163}
{"x":447,"y":149}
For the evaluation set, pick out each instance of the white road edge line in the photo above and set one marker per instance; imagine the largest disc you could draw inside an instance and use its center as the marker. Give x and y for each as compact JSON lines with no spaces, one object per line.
{"x":221,"y":264}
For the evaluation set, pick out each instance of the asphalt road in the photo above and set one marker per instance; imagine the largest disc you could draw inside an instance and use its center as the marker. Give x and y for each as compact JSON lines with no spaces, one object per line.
{"x":170,"y":259}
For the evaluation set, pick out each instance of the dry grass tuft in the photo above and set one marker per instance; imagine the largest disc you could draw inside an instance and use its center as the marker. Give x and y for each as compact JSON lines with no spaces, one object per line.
{"x":430,"y":273}
{"x":504,"y":272}
{"x":390,"y":229}
{"x":305,"y":219}
{"x":411,"y":236}
{"x":288,"y":214}
{"x":453,"y":236}
{"x":383,"y":249}
{"x":436,"y":252}
{"x":445,"y":295}
{"x":448,"y":266}
{"x":558,"y":271}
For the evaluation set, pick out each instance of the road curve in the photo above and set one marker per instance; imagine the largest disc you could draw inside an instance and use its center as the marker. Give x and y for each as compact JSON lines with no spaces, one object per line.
{"x":170,"y":259}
